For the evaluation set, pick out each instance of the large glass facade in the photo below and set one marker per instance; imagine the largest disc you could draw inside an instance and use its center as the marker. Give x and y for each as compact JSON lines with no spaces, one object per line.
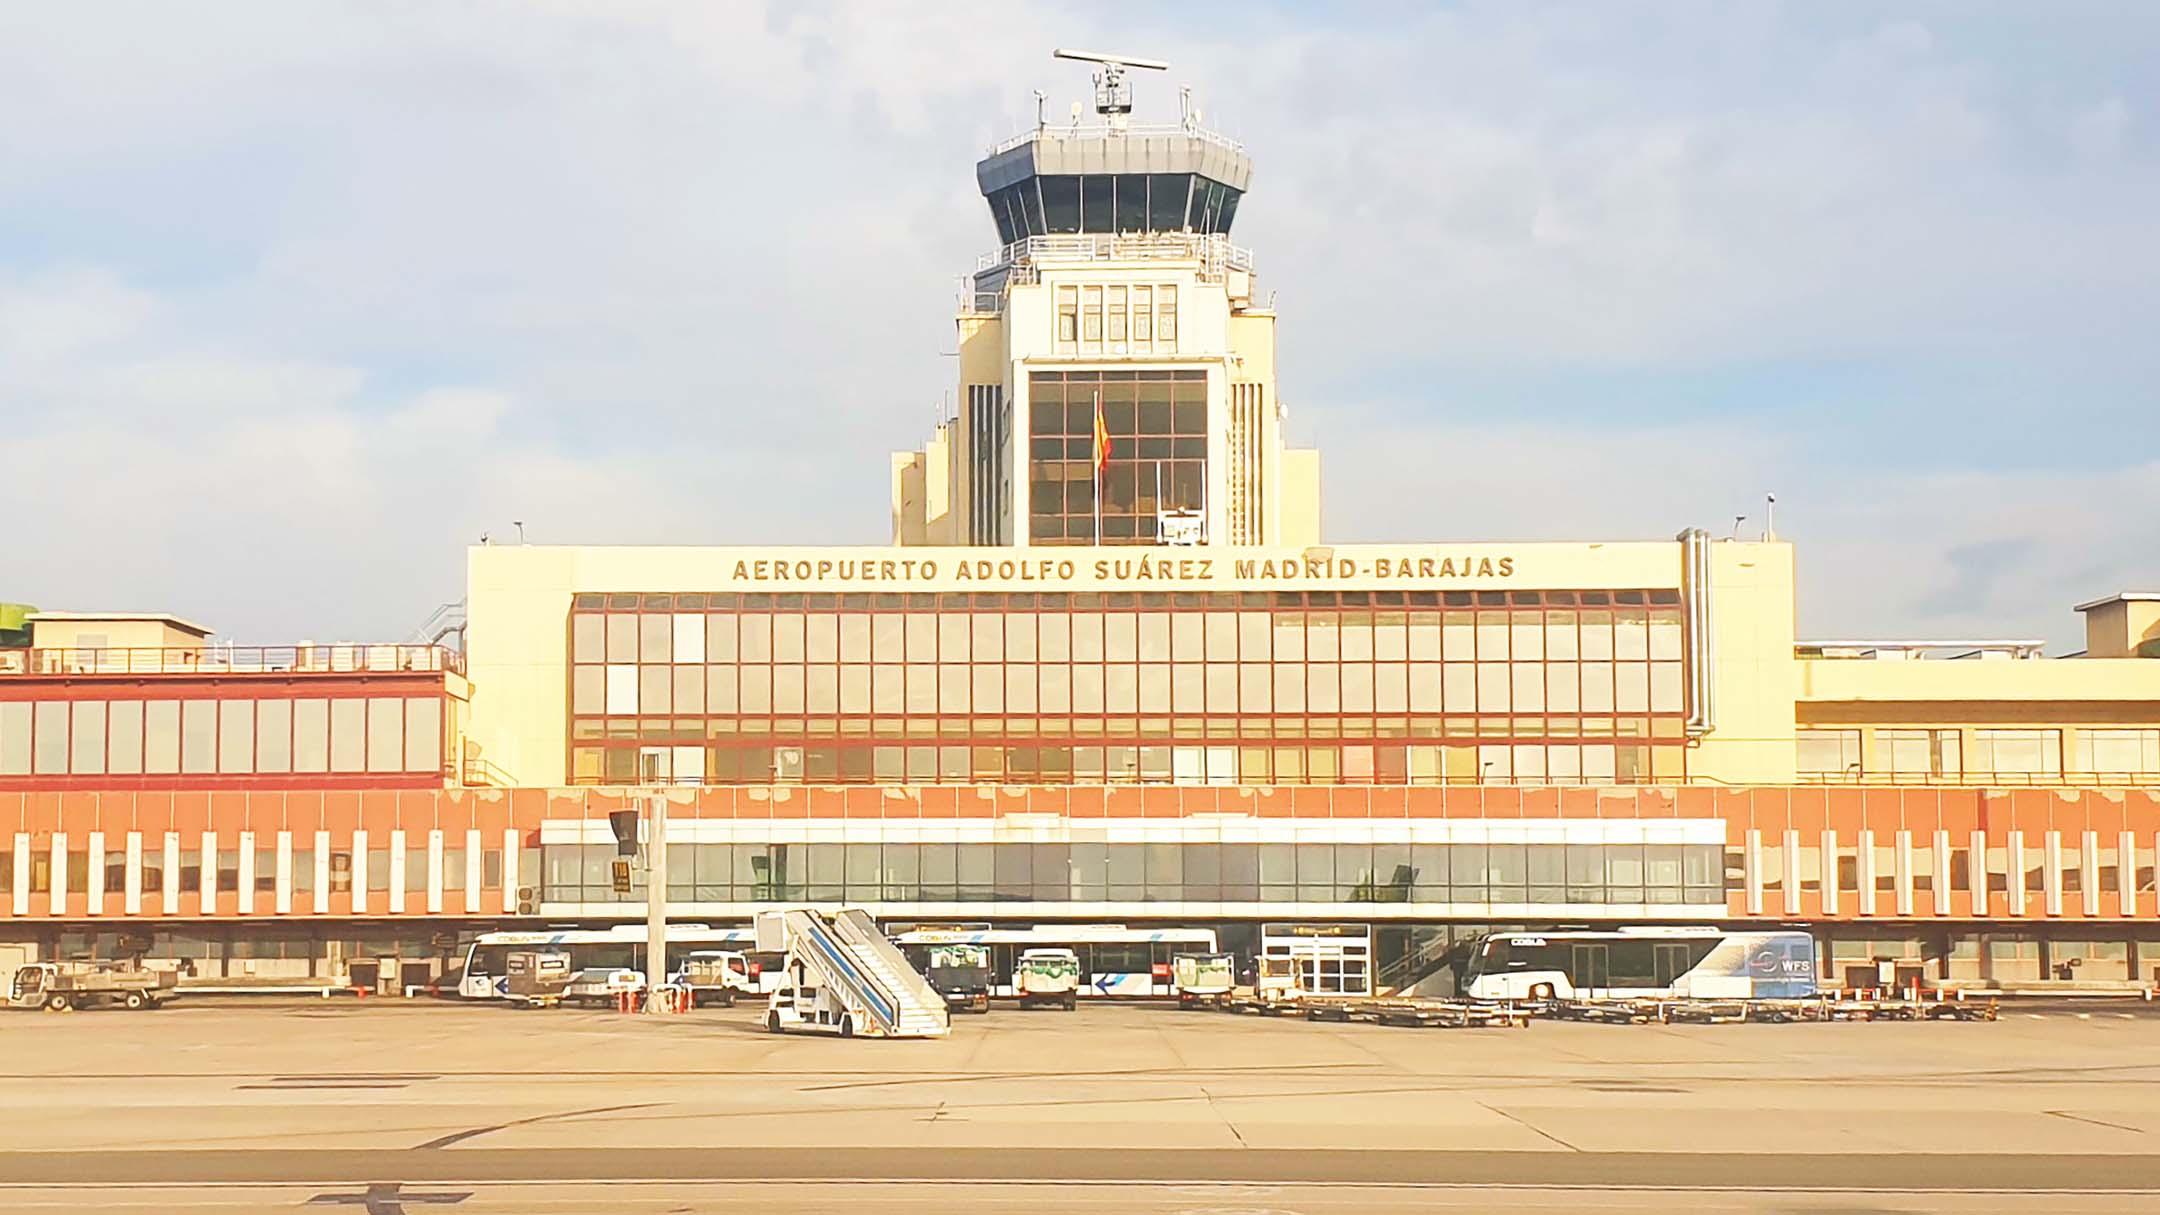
{"x":1595,"y":874}
{"x":1402,"y":687}
{"x":1156,"y":419}
{"x":222,"y":736}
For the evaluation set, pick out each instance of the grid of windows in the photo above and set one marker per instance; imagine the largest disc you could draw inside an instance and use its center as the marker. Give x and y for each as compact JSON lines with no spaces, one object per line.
{"x":1116,"y":318}
{"x":1156,"y":419}
{"x":1626,"y":874}
{"x":2005,"y":755}
{"x":217,"y":737}
{"x":1256,"y":688}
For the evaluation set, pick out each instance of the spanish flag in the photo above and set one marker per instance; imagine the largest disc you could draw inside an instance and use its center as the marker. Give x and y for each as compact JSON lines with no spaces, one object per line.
{"x":1102,"y":438}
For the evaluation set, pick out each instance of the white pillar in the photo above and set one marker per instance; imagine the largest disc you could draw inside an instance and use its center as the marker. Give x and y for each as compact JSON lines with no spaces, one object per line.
{"x":1977,"y":872}
{"x":1792,"y":872}
{"x":1830,"y":875}
{"x":20,"y":855}
{"x":94,"y":871}
{"x":1754,"y":872}
{"x":1867,"y":871}
{"x":58,"y":901}
{"x":2051,"y":882}
{"x":2089,"y":861}
{"x":284,"y":873}
{"x":1902,"y":877}
{"x":397,"y":872}
{"x":246,"y":872}
{"x":208,"y":875}
{"x":322,"y":873}
{"x":2014,"y":848}
{"x":170,"y":880}
{"x":511,"y":869}
{"x":2126,"y":870}
{"x":434,"y":872}
{"x":359,"y":871}
{"x":474,"y":870}
{"x":131,"y":897}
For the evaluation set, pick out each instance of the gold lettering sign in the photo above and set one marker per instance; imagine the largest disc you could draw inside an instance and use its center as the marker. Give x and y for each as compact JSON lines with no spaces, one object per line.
{"x":955,"y":569}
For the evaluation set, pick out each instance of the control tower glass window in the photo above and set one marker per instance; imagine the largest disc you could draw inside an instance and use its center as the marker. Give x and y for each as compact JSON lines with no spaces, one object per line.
{"x":1113,"y":203}
{"x":1156,"y":419}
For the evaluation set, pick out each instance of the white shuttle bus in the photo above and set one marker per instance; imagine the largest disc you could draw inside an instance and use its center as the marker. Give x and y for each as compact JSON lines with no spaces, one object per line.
{"x":1680,"y":962}
{"x":620,"y":947}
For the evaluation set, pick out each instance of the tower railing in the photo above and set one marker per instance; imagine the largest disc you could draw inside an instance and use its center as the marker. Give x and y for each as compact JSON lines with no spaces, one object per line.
{"x":1100,"y":130}
{"x":1214,"y":250}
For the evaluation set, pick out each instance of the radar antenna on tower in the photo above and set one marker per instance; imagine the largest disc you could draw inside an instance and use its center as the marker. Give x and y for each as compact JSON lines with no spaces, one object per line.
{"x":1113,"y":97}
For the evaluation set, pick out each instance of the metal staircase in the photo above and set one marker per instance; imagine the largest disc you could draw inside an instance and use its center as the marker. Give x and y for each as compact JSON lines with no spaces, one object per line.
{"x":851,"y":957}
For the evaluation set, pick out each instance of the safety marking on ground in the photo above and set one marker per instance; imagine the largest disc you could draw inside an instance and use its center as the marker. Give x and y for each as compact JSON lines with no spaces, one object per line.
{"x":389,"y":1198}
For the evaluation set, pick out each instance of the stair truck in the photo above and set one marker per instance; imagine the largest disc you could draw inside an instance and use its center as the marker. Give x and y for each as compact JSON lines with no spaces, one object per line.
{"x":66,"y":986}
{"x":1048,"y":976}
{"x":842,"y":976}
{"x":962,"y":974}
{"x":1203,"y":980}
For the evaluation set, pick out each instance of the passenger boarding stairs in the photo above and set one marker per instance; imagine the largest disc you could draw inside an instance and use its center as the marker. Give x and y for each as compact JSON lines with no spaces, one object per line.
{"x":851,"y":955}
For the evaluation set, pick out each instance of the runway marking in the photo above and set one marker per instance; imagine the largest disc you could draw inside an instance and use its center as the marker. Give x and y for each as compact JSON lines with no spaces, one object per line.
{"x":1532,"y":1129}
{"x":388,"y":1198}
{"x":475,"y":1132}
{"x":2094,"y":1121}
{"x":1187,"y":1188}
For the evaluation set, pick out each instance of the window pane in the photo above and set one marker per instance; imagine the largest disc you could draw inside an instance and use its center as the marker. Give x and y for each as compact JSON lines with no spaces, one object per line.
{"x":423,"y":734}
{"x":198,"y":736}
{"x":126,"y":738}
{"x":86,"y":752}
{"x":311,"y":735}
{"x":386,"y":734}
{"x":348,"y":734}
{"x":273,"y":736}
{"x":236,"y":736}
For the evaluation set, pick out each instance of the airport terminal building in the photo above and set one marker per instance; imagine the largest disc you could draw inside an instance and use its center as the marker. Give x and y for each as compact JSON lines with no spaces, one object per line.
{"x":1108,"y":670}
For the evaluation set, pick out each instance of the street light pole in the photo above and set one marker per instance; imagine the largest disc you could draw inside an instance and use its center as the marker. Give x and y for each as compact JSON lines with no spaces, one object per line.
{"x":656,"y":876}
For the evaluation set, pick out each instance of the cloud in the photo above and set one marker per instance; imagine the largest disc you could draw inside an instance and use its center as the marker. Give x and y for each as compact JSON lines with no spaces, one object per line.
{"x":296,"y":302}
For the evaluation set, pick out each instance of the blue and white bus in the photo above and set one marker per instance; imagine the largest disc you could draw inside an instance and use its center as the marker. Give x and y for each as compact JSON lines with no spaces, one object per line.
{"x":621,"y":947}
{"x":1683,"y":962}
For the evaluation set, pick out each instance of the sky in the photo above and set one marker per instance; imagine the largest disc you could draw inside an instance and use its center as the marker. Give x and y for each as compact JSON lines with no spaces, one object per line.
{"x":299,"y":299}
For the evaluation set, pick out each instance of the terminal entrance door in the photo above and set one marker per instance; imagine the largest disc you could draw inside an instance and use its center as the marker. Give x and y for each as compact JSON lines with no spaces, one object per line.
{"x":1328,"y":959}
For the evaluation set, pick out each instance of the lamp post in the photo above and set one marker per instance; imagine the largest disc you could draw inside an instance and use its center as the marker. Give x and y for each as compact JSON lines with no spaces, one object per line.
{"x":656,"y":877}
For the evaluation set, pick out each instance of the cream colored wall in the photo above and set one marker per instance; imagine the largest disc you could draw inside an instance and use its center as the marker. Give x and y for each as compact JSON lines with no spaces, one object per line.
{"x":1297,"y":509}
{"x":115,"y":634}
{"x":907,"y":497}
{"x":1979,"y":681}
{"x":1753,"y":672}
{"x":2115,"y":630}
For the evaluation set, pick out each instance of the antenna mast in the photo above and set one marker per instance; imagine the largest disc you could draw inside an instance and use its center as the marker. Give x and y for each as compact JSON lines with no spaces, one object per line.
{"x":1113,"y":97}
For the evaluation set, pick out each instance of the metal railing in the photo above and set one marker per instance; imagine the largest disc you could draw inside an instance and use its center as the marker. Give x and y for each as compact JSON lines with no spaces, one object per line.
{"x":338,"y":658}
{"x":1213,"y":249}
{"x":1103,"y":130}
{"x":1982,"y":780}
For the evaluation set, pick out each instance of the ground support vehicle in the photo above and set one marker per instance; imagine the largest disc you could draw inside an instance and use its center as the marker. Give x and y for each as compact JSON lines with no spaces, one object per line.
{"x":1416,"y":1013}
{"x":715,"y":976}
{"x":1048,"y":976}
{"x":841,"y":976}
{"x":961,"y":973}
{"x":1646,"y":1011}
{"x":536,"y":978}
{"x":1203,"y":980}
{"x":65,"y":986}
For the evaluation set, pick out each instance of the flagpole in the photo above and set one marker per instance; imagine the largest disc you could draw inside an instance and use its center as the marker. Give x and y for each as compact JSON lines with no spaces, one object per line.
{"x":1099,"y":461}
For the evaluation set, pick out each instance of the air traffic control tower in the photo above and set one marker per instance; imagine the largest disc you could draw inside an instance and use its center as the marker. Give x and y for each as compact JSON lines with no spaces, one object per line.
{"x":1115,"y":296}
